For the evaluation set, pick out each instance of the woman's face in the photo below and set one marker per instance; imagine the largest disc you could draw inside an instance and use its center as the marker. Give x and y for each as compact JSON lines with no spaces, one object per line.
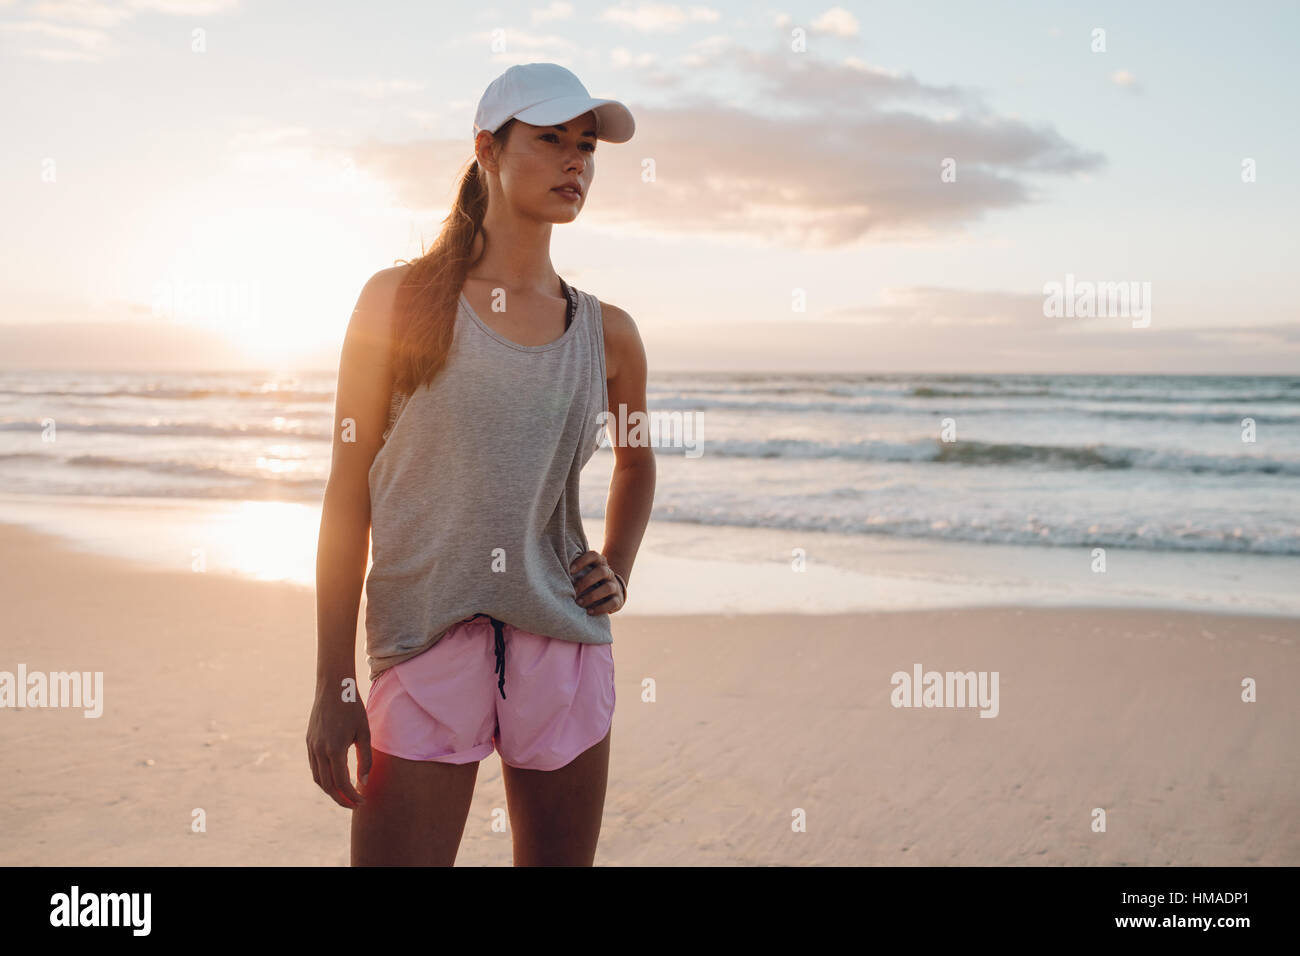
{"x":539,"y":159}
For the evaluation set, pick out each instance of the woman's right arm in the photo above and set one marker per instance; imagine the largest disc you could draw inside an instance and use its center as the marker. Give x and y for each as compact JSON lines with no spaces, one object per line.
{"x":360,"y":415}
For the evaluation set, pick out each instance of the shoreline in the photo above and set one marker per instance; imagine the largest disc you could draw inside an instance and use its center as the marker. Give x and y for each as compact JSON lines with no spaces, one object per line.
{"x":685,"y":568}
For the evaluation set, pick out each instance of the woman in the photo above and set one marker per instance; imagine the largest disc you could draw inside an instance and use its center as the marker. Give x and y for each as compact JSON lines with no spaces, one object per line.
{"x":473,"y":387}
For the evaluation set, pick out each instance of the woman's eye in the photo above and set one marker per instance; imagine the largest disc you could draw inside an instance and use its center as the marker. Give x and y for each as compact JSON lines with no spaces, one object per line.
{"x":556,"y":138}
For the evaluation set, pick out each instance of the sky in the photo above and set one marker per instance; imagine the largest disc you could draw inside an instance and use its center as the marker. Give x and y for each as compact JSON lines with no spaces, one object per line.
{"x":884,"y":186}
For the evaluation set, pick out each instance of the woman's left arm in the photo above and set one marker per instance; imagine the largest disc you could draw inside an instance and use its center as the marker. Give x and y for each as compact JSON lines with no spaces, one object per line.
{"x":632,"y":487}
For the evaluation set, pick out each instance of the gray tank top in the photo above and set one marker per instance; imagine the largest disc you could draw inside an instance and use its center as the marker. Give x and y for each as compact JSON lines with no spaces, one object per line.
{"x":474,"y":492}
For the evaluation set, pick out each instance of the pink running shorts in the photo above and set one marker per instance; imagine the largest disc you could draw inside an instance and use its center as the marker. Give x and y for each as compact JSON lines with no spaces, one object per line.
{"x":445,"y":703}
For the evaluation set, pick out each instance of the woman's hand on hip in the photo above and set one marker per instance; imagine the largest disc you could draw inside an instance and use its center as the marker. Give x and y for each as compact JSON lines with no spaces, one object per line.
{"x":596,"y":588}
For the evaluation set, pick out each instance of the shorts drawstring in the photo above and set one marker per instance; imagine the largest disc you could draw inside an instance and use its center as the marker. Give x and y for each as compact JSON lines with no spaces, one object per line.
{"x":498,"y":629}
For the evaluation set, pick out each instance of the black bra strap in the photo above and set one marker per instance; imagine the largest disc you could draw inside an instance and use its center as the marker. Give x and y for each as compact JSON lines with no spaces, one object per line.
{"x":572,"y":296}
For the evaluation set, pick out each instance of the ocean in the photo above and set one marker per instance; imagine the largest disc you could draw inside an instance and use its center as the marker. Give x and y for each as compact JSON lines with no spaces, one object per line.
{"x":1145,"y":463}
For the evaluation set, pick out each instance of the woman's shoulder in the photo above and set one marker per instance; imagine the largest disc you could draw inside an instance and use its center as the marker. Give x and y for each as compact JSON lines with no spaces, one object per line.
{"x":390,"y":278}
{"x":614,"y":319}
{"x":374,"y":310}
{"x":623,"y":346}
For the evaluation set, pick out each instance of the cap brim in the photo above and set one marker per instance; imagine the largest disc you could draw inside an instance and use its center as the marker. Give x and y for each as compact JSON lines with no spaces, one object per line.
{"x":613,"y":120}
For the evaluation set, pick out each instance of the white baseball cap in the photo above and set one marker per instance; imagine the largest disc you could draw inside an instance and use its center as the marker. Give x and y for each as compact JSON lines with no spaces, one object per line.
{"x":544,"y":94}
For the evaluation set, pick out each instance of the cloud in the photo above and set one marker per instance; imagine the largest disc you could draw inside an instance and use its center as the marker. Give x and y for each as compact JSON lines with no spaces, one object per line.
{"x":525,"y":47}
{"x":554,"y":11}
{"x":915,"y":344}
{"x":842,"y":85}
{"x":184,"y":8}
{"x":80,"y":12}
{"x":77,"y":43}
{"x":836,"y":22}
{"x":659,"y":17}
{"x":81,"y":27}
{"x":621,"y":58}
{"x":838,"y":153}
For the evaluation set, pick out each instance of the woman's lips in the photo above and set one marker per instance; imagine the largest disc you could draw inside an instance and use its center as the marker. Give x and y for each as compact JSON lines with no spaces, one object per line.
{"x":567,"y":193}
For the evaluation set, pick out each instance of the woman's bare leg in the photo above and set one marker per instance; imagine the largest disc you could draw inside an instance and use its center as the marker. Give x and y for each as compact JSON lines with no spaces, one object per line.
{"x":414,"y":812}
{"x":555,"y":815}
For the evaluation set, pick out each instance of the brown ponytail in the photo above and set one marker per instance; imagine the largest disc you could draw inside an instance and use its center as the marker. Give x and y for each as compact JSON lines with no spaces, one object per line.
{"x":427,"y":299}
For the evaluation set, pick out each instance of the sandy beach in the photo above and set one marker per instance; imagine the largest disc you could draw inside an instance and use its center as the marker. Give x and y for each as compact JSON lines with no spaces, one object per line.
{"x":208,"y":682}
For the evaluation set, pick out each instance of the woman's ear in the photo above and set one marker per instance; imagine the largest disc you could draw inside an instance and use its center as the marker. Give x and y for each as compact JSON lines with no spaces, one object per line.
{"x":485,"y":151}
